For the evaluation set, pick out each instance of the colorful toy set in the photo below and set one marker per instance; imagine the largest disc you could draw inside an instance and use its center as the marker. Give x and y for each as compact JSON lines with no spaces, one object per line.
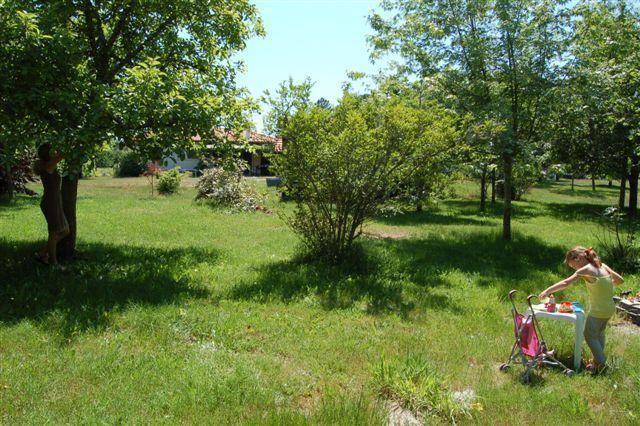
{"x":563,"y":307}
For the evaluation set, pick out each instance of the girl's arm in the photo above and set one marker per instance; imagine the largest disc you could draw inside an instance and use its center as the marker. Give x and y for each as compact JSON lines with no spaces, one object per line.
{"x":617,"y":278}
{"x":559,"y":285}
{"x":53,"y":163}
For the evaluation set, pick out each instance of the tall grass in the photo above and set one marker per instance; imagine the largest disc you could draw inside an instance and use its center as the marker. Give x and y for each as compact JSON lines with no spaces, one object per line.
{"x":414,"y":384}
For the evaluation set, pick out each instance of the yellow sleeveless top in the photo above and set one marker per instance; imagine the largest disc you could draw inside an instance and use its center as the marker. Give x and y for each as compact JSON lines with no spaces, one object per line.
{"x":601,"y":297}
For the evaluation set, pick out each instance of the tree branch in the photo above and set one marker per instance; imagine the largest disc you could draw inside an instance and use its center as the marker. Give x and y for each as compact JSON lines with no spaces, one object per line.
{"x":120,"y":25}
{"x":132,"y":55}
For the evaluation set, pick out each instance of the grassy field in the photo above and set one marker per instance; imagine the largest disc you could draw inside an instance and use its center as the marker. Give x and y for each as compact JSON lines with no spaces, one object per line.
{"x":178,"y":313}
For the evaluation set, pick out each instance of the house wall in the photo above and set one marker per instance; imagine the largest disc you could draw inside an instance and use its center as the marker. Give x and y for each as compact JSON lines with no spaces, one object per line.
{"x":186,"y":164}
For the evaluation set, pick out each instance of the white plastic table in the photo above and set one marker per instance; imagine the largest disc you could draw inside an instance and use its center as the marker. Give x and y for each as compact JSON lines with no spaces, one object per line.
{"x":578,"y":318}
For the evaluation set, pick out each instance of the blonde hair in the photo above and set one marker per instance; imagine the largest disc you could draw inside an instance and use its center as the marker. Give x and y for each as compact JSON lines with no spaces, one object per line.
{"x":589,"y":254}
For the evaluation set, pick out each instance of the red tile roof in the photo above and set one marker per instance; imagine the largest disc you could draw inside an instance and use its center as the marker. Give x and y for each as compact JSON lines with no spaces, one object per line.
{"x":252,"y":137}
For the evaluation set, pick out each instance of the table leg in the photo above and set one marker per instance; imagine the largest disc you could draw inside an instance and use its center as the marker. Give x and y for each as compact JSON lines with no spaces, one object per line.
{"x":577,"y":350}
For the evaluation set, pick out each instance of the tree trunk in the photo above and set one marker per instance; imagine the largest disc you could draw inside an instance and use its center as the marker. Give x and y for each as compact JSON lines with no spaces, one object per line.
{"x":593,"y":183}
{"x":610,"y":184}
{"x":557,"y":177}
{"x":623,"y":192}
{"x":506,"y":217}
{"x":11,"y":188}
{"x":633,"y":185}
{"x":418,"y":206}
{"x":493,"y":187}
{"x":572,"y":182}
{"x":483,"y":189}
{"x":69,"y":191}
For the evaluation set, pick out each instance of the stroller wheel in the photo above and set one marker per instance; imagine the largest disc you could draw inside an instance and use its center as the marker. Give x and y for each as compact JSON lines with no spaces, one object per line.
{"x":568,"y":372}
{"x":504,"y":367}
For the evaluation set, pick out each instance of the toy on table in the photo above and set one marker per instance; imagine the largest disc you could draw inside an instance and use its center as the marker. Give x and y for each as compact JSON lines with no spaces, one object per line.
{"x":577,"y":306}
{"x":566,"y":308}
{"x":551,"y":304}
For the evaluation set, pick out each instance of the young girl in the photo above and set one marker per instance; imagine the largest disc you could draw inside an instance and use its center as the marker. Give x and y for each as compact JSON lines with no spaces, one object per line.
{"x":51,"y":204}
{"x":600,"y":280}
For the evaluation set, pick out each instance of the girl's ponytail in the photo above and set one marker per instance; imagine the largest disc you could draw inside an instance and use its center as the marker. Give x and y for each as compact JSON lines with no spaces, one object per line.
{"x":593,"y":257}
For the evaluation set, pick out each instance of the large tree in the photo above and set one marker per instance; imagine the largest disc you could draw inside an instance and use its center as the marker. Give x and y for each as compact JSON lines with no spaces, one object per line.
{"x":149,"y":73}
{"x":288,"y":98}
{"x":606,"y":69}
{"x":20,"y":43}
{"x":495,"y":57}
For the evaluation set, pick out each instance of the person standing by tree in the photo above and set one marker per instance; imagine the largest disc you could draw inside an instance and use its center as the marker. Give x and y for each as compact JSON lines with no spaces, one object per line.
{"x":46,"y":167}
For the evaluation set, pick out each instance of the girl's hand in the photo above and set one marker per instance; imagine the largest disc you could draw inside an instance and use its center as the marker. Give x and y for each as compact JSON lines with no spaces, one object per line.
{"x":542,"y":295}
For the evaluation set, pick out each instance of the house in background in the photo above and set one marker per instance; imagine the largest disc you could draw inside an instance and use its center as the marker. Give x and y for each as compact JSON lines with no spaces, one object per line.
{"x":256,"y":160}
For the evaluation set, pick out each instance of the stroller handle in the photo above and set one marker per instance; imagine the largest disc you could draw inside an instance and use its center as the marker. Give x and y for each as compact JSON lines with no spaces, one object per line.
{"x":512,"y":293}
{"x":531,"y":296}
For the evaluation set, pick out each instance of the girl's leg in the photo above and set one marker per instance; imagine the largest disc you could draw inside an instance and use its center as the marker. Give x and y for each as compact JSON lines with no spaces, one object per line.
{"x":592,"y":334}
{"x":52,"y":245}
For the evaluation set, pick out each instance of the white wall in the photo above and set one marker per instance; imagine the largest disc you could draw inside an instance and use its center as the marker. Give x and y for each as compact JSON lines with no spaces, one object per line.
{"x":186,"y":164}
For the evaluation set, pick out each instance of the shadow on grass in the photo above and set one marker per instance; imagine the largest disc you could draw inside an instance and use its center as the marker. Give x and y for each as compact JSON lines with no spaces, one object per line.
{"x":581,"y":192}
{"x":19,"y":202}
{"x":398,"y":275}
{"x":362,"y":279}
{"x":520,"y":209}
{"x":575,"y":211}
{"x":433,"y":217}
{"x":106,"y":279}
{"x":496,"y":262}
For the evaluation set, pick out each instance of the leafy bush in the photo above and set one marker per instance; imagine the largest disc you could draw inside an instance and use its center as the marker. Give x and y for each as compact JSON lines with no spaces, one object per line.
{"x":169,"y":181}
{"x":21,"y":175}
{"x":225,"y":187}
{"x":412,"y":384}
{"x":618,"y":242}
{"x":109,"y":156}
{"x":130,"y":165}
{"x":88,"y":170}
{"x":340,"y":165}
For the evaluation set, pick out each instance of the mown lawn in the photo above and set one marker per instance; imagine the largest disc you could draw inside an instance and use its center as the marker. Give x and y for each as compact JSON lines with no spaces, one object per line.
{"x":178,"y":313}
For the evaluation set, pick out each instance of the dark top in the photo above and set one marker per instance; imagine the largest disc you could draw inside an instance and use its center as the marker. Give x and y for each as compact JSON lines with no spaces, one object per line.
{"x":51,"y":204}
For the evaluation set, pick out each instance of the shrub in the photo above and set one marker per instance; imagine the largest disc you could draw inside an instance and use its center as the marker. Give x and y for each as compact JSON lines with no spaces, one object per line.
{"x":108,"y":157}
{"x":21,"y":174}
{"x":151,"y":173}
{"x":130,"y":165}
{"x":88,"y":170}
{"x":618,"y":241}
{"x":225,"y":187}
{"x":339,"y":166}
{"x":169,"y":181}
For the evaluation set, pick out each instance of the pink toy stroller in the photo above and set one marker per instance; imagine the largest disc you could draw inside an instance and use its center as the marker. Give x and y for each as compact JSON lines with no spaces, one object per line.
{"x":529,"y":349}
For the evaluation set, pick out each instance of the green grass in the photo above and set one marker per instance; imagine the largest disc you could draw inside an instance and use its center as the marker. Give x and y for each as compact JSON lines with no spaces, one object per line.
{"x":179,"y":313}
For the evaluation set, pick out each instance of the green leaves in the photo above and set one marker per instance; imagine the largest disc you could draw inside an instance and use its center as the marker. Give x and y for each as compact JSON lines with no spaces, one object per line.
{"x":340,"y":165}
{"x":151,"y":73}
{"x":289,"y":98}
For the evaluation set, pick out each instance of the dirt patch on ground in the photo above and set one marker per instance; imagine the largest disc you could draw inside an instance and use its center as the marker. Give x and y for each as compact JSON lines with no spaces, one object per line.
{"x":399,"y":416}
{"x":626,"y":328}
{"x":376,"y":234}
